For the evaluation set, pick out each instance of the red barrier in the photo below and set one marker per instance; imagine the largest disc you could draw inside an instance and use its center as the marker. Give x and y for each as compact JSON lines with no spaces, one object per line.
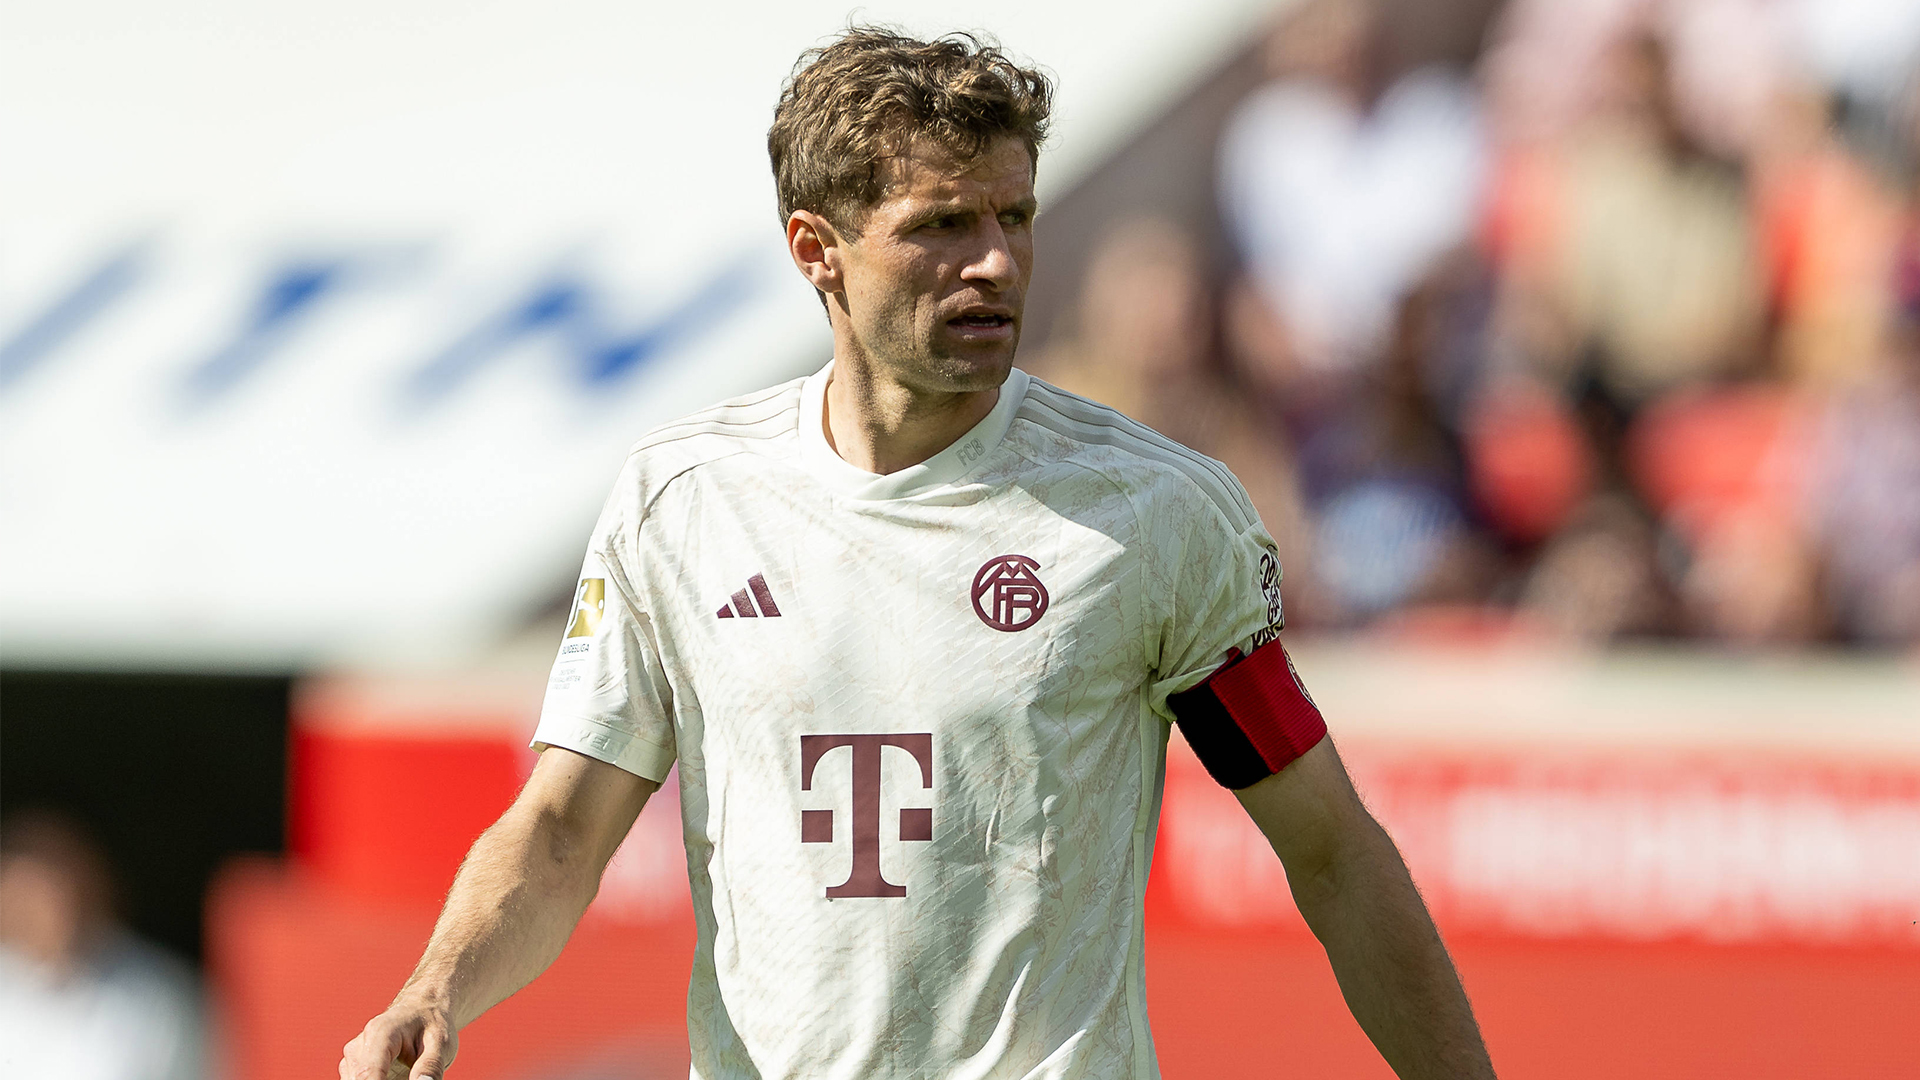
{"x":388,"y":789}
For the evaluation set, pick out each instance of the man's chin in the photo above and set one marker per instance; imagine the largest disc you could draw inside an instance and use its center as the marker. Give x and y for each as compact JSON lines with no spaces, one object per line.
{"x":976,"y":371}
{"x":975,"y":366}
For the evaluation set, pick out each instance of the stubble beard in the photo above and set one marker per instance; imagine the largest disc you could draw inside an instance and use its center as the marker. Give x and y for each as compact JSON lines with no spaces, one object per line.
{"x":975,"y":369}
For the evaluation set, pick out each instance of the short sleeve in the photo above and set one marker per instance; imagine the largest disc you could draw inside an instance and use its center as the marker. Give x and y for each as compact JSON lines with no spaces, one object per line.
{"x":608,"y":696}
{"x":1219,"y":591}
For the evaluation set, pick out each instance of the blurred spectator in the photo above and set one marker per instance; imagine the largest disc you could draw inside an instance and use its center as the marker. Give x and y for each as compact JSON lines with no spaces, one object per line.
{"x":1828,"y":230}
{"x":1652,"y":272}
{"x":1866,"y":492}
{"x":1140,"y":329}
{"x":1141,"y":344}
{"x":80,"y":997}
{"x":1598,"y":579}
{"x":1548,"y":66}
{"x":1726,"y":467}
{"x":1342,"y":187}
{"x":1384,"y":474}
{"x":1865,"y":477}
{"x":1530,"y":463}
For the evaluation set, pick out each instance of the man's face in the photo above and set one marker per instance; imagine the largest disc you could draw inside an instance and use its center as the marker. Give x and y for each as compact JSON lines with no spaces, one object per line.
{"x":935,"y":284}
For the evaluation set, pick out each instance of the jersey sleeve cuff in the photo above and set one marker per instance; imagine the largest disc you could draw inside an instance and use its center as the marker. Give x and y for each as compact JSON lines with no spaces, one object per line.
{"x":622,"y":749}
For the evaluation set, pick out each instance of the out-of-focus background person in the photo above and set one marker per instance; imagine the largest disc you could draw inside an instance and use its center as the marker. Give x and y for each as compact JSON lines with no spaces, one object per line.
{"x":80,"y":995}
{"x":1569,"y":349}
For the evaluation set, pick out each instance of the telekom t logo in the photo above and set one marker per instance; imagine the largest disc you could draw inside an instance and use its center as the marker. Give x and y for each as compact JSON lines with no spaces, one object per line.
{"x":916,"y":823}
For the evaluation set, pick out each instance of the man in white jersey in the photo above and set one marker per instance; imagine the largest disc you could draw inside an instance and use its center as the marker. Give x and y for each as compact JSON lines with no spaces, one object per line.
{"x":913,"y":629}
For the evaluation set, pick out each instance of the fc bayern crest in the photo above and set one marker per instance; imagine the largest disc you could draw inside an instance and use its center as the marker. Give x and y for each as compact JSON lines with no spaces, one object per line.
{"x":1007,"y":594}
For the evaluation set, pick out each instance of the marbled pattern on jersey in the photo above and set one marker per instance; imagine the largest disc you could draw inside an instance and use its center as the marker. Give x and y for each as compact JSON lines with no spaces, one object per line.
{"x":1016,"y":950}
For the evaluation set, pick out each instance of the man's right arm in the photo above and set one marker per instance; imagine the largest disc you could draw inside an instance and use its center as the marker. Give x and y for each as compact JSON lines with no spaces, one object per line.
{"x":518,"y":895}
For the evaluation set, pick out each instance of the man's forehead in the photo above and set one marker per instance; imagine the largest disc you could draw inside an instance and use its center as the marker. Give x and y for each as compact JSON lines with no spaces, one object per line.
{"x":925,"y":170}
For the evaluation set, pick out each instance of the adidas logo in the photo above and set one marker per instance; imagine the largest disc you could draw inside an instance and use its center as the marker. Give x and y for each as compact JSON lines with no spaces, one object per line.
{"x":742,"y":602}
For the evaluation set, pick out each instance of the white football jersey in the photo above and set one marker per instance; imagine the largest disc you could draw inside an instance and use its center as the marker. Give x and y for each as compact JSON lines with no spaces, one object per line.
{"x":920,"y":721}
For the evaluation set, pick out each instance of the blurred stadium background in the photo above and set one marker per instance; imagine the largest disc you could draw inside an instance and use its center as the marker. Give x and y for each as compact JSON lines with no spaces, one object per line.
{"x":1571,"y":349}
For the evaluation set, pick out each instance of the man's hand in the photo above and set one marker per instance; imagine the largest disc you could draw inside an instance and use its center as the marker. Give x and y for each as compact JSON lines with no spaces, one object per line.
{"x":412,"y":1040}
{"x":1354,"y":892}
{"x":512,"y":906}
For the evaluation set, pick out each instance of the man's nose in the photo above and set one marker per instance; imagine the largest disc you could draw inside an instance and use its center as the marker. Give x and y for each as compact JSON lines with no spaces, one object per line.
{"x":992,"y":264}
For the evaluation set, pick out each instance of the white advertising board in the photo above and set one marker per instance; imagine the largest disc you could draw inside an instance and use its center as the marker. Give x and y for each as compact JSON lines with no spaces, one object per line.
{"x":323,"y":328}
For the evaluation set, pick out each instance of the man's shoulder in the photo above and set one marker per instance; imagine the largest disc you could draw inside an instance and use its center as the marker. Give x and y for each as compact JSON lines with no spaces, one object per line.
{"x":1146,"y":465}
{"x":761,"y":422}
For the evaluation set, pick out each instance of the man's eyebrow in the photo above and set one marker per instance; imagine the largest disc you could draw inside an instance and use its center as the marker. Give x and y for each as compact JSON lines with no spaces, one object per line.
{"x":957,"y":206}
{"x":947,"y":207}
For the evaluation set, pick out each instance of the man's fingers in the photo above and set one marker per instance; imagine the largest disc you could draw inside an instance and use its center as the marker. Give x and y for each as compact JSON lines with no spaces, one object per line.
{"x":359,"y":1060}
{"x":403,"y":1043}
{"x":436,"y":1053}
{"x":374,"y":1053}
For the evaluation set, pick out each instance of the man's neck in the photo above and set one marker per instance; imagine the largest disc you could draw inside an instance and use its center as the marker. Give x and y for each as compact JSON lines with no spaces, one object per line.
{"x":880,"y":425}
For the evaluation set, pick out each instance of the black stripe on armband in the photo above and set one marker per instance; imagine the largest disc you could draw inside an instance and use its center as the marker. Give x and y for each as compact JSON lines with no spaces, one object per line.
{"x":1249,"y":719}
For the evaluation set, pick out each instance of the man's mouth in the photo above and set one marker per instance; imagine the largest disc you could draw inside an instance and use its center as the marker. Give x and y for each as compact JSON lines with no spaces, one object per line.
{"x":981,"y":322}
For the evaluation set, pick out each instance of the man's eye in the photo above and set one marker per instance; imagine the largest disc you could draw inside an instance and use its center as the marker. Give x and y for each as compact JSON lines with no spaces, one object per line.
{"x":946,"y":222}
{"x":1014,"y":217}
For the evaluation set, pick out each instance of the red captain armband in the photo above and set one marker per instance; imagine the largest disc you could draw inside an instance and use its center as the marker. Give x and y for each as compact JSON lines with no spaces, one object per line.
{"x":1250,"y":718}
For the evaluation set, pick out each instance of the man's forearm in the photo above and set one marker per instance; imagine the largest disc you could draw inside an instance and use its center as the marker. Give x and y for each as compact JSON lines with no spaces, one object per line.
{"x":514,"y":903}
{"x":1392,"y":967}
{"x":512,"y":907}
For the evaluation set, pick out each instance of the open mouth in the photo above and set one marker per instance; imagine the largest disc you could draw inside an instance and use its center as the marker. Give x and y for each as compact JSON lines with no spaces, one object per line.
{"x":980,"y":322}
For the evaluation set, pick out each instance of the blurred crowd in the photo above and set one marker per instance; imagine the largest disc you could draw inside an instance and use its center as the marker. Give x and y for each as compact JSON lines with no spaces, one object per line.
{"x":1613,"y":334}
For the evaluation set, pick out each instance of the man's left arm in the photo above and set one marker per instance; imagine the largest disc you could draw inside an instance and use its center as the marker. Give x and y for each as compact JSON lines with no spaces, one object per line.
{"x":1353,"y":889}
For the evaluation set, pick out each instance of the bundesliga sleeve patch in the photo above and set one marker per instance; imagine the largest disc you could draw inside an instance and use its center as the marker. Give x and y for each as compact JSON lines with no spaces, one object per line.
{"x":1250,"y":718}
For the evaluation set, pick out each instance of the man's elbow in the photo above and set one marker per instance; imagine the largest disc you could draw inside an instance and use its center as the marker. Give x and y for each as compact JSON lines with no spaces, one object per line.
{"x":1323,"y":834}
{"x":1320,"y":868}
{"x":532,"y":838}
{"x":1344,"y":851}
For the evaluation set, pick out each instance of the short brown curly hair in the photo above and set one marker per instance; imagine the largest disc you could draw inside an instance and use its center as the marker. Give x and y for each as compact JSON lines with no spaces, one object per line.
{"x":871,"y":92}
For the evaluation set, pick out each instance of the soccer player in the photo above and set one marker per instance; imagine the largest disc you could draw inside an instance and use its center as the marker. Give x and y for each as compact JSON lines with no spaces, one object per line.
{"x":914,"y":628}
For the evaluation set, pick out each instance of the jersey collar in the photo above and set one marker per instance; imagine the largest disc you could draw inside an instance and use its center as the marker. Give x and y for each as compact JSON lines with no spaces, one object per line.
{"x":943,"y":468}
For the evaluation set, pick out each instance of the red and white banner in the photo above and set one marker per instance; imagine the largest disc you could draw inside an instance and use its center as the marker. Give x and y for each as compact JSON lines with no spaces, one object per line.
{"x":1625,"y":847}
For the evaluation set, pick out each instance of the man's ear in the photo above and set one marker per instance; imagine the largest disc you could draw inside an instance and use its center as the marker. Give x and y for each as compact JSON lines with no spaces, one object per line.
{"x":817,"y":249}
